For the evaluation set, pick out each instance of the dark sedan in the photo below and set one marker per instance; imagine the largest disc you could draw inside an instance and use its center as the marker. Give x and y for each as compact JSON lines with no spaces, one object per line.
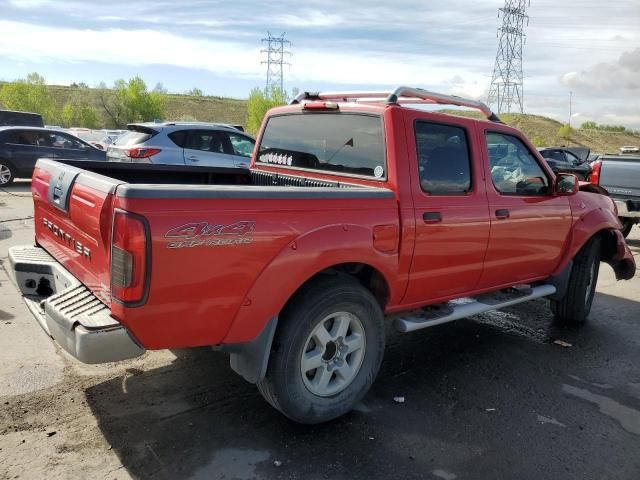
{"x":563,"y":160}
{"x":21,"y":147}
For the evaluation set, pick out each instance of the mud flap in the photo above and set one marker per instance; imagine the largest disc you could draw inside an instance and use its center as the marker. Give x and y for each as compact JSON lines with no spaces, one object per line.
{"x":250,"y":360}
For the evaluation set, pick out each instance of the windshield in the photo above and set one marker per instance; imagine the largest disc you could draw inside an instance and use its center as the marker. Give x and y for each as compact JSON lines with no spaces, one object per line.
{"x":133,"y":137}
{"x":340,"y":143}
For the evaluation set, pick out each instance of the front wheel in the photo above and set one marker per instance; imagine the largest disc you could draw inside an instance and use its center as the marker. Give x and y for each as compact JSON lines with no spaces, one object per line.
{"x":574,"y":308}
{"x":327,"y":351}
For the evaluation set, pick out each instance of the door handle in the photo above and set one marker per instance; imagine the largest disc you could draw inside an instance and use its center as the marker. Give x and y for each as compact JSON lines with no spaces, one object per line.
{"x":431,"y":217}
{"x":502,"y":213}
{"x":241,"y":165}
{"x":193,"y":158}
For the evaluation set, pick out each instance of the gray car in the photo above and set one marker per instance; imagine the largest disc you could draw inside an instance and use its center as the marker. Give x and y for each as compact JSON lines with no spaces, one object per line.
{"x":174,"y":143}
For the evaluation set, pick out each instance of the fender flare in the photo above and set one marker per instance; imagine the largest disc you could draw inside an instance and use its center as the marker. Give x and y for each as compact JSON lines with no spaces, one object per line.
{"x":585,"y":227}
{"x":299,"y":261}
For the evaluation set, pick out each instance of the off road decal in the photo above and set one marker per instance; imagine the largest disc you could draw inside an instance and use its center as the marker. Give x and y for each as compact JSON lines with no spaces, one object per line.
{"x":205,"y":234}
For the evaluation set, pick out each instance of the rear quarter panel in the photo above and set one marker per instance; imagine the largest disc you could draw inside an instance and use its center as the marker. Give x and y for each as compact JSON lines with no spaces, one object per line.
{"x":196,"y":292}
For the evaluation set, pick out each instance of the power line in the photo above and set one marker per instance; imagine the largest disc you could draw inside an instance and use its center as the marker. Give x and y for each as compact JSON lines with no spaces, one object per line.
{"x":506,"y":89}
{"x":275,"y":60}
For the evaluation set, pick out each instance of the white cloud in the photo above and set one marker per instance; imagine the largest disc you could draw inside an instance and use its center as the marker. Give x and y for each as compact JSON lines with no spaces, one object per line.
{"x":42,"y":44}
{"x":609,"y":77}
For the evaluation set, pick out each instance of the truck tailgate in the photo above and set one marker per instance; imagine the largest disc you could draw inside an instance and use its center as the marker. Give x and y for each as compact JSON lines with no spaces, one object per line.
{"x":73,"y":215}
{"x":621,"y":176}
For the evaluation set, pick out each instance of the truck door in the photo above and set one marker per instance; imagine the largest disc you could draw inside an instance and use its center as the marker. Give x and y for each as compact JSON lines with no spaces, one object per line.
{"x":450,"y":208}
{"x":529,"y":225}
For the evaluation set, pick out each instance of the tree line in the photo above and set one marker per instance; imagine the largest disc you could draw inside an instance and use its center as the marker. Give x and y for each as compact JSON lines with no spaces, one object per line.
{"x":126,"y":102}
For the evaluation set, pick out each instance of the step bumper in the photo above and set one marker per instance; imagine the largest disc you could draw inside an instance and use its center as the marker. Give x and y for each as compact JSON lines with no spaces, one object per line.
{"x":68,"y":311}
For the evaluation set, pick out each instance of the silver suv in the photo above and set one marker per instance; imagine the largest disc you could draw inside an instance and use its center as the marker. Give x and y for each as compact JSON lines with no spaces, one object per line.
{"x":181,"y":143}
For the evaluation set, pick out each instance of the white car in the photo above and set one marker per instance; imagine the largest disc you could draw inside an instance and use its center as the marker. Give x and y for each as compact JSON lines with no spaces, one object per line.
{"x":629,"y":149}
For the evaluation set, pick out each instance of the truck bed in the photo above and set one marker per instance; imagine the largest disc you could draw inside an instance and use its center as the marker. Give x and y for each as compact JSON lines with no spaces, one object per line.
{"x":140,"y":173}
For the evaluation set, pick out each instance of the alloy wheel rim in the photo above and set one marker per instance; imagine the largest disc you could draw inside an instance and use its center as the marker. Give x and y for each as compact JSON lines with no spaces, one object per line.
{"x":333,"y":354}
{"x":5,"y":175}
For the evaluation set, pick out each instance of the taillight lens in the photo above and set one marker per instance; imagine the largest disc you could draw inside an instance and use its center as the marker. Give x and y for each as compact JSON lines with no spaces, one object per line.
{"x":129,"y":257}
{"x":595,"y":172}
{"x":320,"y":106}
{"x":139,"y":153}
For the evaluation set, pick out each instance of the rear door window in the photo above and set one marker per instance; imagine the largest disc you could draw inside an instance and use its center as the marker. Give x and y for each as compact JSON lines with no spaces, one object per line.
{"x":444,"y":162}
{"x":340,"y":143}
{"x":206,"y":140}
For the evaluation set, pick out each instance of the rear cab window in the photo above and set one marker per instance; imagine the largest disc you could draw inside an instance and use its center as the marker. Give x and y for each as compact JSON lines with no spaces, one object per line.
{"x":337,"y":143}
{"x":444,"y":161}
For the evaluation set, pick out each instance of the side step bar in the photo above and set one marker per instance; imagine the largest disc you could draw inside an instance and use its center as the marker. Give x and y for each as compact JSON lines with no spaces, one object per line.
{"x":455,"y":310}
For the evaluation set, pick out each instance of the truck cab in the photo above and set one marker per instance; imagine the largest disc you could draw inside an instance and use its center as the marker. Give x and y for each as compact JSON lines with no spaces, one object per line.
{"x":358,"y":209}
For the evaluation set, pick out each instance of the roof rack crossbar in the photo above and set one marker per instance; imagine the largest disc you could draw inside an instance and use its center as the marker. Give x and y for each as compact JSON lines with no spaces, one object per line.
{"x":401,"y":95}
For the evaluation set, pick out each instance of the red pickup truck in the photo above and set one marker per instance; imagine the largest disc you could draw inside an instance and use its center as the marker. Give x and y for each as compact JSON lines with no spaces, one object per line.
{"x":357,"y":208}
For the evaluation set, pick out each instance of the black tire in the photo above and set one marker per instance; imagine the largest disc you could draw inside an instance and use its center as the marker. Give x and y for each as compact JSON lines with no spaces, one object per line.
{"x":4,"y":168}
{"x":284,"y":387}
{"x":574,"y":308}
{"x":627,"y":225}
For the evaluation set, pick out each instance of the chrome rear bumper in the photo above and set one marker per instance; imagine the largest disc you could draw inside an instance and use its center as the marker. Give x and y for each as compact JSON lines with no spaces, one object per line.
{"x":68,"y":311}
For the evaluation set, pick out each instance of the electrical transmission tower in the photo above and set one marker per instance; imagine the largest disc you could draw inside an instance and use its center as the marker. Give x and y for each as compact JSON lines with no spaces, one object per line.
{"x":506,"y":90}
{"x":275,"y":59}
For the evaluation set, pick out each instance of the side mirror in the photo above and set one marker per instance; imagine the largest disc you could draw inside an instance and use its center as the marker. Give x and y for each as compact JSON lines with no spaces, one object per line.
{"x":566,"y":184}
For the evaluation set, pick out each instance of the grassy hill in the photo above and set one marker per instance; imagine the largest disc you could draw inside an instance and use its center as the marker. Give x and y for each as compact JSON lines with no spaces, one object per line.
{"x":542,"y":131}
{"x":178,"y":107}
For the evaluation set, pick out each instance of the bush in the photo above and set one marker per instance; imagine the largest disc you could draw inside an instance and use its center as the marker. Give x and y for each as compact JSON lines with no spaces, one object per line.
{"x":259,"y":102}
{"x":79,"y":114}
{"x":565,"y":132}
{"x":131,"y":102}
{"x":30,"y":95}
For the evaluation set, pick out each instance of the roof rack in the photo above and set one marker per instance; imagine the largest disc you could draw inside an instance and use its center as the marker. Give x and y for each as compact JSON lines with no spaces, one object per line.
{"x":401,"y":95}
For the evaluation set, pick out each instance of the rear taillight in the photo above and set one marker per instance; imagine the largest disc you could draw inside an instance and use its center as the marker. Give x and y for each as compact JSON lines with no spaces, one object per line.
{"x":129,"y":258}
{"x":595,"y":172}
{"x":142,"y":152}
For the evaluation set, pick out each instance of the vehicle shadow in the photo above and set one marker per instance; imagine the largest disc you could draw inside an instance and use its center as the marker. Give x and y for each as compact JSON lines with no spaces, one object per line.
{"x":19,"y":187}
{"x":195,"y":418}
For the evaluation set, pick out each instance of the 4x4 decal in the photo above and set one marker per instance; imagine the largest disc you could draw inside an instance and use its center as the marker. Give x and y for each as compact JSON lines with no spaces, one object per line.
{"x":199,"y":234}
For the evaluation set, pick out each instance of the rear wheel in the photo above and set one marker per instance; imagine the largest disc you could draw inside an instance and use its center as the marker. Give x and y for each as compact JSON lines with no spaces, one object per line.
{"x":327,"y":351}
{"x":627,"y":225}
{"x":7,"y":174}
{"x":574,"y":308}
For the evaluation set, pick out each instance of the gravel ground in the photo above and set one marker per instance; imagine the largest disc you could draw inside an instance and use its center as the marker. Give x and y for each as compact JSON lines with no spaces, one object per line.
{"x":487,"y":397}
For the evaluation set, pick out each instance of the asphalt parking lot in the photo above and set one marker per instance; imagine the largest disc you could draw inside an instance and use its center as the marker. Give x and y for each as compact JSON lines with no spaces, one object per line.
{"x":493,"y":397}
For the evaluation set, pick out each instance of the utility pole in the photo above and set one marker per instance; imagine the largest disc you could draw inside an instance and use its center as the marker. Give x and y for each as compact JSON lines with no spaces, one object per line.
{"x":506,"y":89}
{"x":570,"y":106}
{"x":275,"y":59}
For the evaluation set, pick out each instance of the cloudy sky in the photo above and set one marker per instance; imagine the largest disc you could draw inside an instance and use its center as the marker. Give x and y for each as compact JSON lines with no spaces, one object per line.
{"x":589,"y":47}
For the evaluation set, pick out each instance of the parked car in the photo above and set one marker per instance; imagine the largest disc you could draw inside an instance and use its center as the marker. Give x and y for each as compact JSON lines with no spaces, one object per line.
{"x":563,"y":160}
{"x":620,"y":176}
{"x":629,"y":149}
{"x":12,"y":118}
{"x":21,"y":147}
{"x":175,"y":143}
{"x":353,"y":211}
